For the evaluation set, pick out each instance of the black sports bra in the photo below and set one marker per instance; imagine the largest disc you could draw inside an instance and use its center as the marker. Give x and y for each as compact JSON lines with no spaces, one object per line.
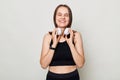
{"x":62,"y":55}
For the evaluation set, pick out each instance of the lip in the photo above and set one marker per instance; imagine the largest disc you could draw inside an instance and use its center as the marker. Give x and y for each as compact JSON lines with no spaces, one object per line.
{"x":62,"y":21}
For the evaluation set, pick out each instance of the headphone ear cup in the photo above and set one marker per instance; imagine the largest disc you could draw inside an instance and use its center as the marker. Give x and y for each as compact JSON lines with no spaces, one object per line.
{"x":59,"y":32}
{"x":66,"y":32}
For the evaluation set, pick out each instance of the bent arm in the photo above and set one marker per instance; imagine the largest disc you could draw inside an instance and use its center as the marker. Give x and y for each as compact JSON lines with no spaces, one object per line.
{"x":46,"y":53}
{"x":77,"y":50}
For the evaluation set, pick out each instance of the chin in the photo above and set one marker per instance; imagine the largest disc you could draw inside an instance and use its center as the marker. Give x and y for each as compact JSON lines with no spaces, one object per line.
{"x":62,"y":26}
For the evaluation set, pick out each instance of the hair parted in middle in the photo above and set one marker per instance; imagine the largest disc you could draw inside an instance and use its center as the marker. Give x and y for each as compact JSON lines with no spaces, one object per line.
{"x":70,"y":15}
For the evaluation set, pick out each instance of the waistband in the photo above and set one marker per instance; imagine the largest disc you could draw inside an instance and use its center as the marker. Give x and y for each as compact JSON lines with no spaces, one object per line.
{"x":63,"y":75}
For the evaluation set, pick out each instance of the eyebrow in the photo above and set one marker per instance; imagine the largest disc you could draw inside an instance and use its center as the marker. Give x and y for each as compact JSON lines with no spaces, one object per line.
{"x":60,"y":12}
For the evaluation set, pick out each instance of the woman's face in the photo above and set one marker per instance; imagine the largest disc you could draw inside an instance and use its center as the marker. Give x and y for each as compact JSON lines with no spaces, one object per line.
{"x":62,"y":17}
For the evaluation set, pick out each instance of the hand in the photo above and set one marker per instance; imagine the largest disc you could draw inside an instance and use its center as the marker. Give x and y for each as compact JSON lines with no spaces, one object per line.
{"x":70,"y":39}
{"x":55,"y":38}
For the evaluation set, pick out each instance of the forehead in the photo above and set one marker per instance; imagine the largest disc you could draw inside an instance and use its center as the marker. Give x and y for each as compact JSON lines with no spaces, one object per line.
{"x":62,"y":9}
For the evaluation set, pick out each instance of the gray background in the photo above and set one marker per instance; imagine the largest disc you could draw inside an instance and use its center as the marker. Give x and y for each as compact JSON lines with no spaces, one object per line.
{"x":24,"y":22}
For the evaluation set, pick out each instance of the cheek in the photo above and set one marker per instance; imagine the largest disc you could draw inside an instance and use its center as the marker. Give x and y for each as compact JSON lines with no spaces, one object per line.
{"x":57,"y":22}
{"x":56,"y":19}
{"x":67,"y":19}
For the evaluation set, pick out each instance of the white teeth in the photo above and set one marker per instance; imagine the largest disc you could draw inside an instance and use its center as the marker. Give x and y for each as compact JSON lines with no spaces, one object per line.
{"x":62,"y":21}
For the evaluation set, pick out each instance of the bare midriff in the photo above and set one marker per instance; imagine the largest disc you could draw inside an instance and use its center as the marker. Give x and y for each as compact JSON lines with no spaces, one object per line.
{"x":62,"y":69}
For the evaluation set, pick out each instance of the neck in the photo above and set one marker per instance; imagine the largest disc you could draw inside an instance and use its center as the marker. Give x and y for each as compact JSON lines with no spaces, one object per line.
{"x":62,"y":31}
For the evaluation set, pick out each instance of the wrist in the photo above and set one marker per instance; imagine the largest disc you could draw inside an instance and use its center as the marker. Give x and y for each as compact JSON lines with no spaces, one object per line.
{"x":53,"y":45}
{"x":70,"y":44}
{"x":52,"y":48}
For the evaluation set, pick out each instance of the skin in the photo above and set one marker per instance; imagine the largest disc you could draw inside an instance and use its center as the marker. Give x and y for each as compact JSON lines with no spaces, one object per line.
{"x":62,"y":20}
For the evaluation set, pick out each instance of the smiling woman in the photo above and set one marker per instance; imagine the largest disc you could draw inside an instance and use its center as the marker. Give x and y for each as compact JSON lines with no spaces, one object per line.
{"x":62,"y":54}
{"x":63,"y":12}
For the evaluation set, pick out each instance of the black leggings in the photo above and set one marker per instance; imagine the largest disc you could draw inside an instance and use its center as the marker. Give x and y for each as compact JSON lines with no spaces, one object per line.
{"x":67,"y":76}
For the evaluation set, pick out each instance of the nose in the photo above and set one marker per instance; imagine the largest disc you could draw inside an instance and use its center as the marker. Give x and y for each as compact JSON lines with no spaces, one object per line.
{"x":62,"y":16}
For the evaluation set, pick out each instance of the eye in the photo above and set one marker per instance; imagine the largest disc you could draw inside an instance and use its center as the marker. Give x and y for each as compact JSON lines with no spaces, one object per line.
{"x":66,"y":15}
{"x":59,"y":14}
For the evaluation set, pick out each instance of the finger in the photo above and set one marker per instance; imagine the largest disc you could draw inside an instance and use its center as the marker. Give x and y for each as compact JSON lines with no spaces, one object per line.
{"x":71,"y":32}
{"x":58,"y":37}
{"x":66,"y":37}
{"x":54,"y":32}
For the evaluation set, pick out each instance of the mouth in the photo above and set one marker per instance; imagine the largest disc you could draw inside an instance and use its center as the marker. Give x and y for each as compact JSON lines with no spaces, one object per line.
{"x":62,"y":21}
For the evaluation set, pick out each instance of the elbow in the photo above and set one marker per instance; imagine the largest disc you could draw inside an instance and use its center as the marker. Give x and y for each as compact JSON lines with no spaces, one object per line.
{"x":43,"y":65}
{"x":80,"y":65}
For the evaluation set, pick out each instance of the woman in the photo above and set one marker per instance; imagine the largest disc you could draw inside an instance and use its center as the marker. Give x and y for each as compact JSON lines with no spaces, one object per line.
{"x":62,"y":54}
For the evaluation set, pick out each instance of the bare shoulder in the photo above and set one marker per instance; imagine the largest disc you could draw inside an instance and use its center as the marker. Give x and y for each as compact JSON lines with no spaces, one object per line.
{"x":77,"y":36}
{"x":47,"y":37}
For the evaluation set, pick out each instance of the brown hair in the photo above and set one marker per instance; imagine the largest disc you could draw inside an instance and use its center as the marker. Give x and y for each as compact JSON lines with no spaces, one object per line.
{"x":70,"y":14}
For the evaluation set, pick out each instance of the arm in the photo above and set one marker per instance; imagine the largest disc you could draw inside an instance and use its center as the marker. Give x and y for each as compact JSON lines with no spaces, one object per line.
{"x":46,"y":53}
{"x":77,"y":49}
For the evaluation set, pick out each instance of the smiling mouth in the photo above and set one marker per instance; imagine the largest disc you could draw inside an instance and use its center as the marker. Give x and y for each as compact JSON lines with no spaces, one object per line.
{"x":62,"y":21}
